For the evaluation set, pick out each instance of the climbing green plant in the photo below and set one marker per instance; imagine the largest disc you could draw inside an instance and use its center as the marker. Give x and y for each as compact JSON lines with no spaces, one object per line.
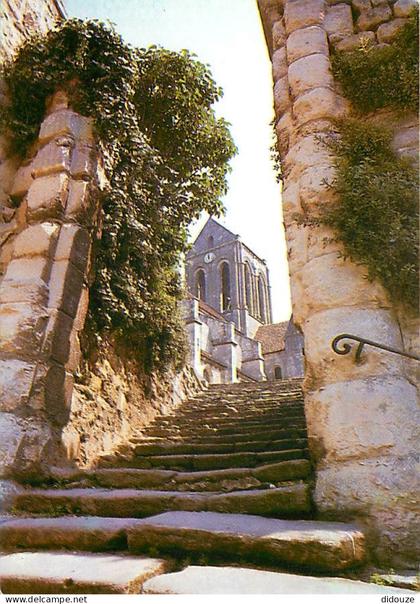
{"x":376,"y":212}
{"x":166,"y":158}
{"x":373,"y":77}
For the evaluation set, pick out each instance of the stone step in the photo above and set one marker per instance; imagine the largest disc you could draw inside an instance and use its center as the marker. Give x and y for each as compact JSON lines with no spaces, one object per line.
{"x":71,"y":573}
{"x":233,"y":580}
{"x":202,"y":462}
{"x":238,"y":407}
{"x":287,"y":500}
{"x":212,"y":480}
{"x":209,"y":437}
{"x":322,"y":546}
{"x":221,"y":427}
{"x":232,"y":416}
{"x":198,"y":448}
{"x":88,"y":533}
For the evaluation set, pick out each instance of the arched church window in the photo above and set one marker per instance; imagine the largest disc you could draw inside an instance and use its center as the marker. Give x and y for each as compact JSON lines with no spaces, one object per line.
{"x":277,"y":373}
{"x":248,"y":289}
{"x":262,"y":299}
{"x":210,"y":241}
{"x":225,"y":299}
{"x":200,"y":285}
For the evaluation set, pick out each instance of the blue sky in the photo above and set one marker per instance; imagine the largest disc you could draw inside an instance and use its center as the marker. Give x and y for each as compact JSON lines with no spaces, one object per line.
{"x":227,"y":35}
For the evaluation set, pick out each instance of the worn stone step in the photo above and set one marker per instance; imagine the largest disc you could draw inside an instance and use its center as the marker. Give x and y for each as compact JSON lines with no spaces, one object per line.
{"x":226,"y":418}
{"x":240,"y":410}
{"x":212,"y":480}
{"x":322,"y":546}
{"x":81,"y":573}
{"x":222,"y":428}
{"x":88,"y":533}
{"x":264,"y":435}
{"x":198,"y":448}
{"x":125,"y":503}
{"x":233,"y":580}
{"x":202,"y":462}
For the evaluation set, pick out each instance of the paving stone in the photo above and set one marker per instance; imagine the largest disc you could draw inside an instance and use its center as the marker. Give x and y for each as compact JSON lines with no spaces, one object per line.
{"x":319,"y":545}
{"x":229,"y":580}
{"x":58,"y":573}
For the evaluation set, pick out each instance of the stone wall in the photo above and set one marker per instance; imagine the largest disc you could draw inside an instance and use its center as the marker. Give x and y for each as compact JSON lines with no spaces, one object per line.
{"x":49,"y":218}
{"x":362,"y":418}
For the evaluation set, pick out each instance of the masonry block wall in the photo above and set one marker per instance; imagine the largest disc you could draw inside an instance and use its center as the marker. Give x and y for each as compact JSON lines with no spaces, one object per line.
{"x":362,"y":419}
{"x":49,"y":218}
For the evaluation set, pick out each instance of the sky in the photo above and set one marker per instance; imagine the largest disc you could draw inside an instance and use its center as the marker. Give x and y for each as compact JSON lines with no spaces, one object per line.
{"x":227,"y":35}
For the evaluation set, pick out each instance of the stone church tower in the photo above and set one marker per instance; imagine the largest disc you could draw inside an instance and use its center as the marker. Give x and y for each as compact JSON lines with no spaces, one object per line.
{"x":228,"y":276}
{"x":229,"y":314}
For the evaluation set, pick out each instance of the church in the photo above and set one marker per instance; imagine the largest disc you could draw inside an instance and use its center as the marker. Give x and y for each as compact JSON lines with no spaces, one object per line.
{"x":228,"y":313}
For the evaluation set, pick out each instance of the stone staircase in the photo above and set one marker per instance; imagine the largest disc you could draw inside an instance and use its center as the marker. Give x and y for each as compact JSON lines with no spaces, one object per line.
{"x":224,"y":479}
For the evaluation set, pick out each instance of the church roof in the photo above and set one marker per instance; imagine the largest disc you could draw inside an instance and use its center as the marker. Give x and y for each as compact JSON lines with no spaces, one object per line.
{"x":272,"y":336}
{"x":209,"y":310}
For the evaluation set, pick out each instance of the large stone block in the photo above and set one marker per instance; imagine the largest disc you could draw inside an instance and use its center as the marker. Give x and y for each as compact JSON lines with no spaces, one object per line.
{"x":338,"y":22}
{"x":10,"y":438}
{"x":362,"y":419}
{"x":291,"y":203}
{"x":302,"y":13}
{"x":279,"y":35}
{"x":318,"y":103}
{"x":362,"y":39}
{"x":387,"y":31}
{"x":28,"y":269}
{"x":306,"y":153}
{"x":326,"y":366}
{"x":60,"y":338}
{"x":15,"y":385}
{"x":284,"y":128}
{"x":315,"y":185}
{"x":373,"y":17}
{"x":297,"y":246}
{"x":65,"y":123}
{"x":383,"y":491}
{"x":330,"y":281}
{"x":404,"y":8}
{"x":21,"y":328}
{"x":47,"y":196}
{"x":82,"y":162}
{"x":35,"y":240}
{"x":406,"y":138}
{"x":58,"y":394}
{"x":22,"y":181}
{"x":309,"y":72}
{"x":279,"y":62}
{"x":281,"y":96}
{"x":322,"y":240}
{"x":73,"y":245}
{"x":66,"y":284}
{"x":308,"y":41}
{"x":33,"y":291}
{"x":78,"y":198}
{"x":54,"y":157}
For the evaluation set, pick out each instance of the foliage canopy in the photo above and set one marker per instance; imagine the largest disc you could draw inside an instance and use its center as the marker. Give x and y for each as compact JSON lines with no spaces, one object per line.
{"x":166,"y":158}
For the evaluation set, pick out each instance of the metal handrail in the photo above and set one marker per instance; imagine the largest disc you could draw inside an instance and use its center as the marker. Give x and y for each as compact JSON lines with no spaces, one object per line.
{"x":347,"y":348}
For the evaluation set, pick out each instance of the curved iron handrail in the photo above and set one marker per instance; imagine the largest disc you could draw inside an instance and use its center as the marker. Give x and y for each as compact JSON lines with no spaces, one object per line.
{"x":346,"y":348}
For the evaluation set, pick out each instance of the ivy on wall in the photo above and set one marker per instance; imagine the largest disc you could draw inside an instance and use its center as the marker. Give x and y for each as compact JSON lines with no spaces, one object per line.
{"x":373,"y":77}
{"x":376,"y":215}
{"x":166,"y":157}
